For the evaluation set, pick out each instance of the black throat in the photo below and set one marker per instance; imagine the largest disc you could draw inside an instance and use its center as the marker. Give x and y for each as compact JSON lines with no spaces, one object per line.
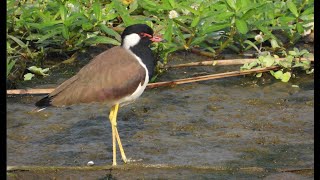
{"x":145,"y":54}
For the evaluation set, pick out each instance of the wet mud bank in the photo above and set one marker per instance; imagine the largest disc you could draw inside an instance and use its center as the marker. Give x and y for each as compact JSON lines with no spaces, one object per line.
{"x":234,"y":123}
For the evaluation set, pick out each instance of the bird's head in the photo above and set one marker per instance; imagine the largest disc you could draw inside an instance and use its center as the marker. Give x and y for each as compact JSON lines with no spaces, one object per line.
{"x":138,"y":34}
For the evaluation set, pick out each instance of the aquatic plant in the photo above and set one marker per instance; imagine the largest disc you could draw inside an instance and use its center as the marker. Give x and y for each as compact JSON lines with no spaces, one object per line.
{"x":38,"y":28}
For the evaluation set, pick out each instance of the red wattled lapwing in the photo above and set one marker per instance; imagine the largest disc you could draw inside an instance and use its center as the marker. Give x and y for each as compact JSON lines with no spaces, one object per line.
{"x":115,"y":77}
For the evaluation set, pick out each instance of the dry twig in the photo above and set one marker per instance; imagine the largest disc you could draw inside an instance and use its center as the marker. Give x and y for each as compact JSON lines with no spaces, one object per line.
{"x":222,"y":62}
{"x":161,"y":84}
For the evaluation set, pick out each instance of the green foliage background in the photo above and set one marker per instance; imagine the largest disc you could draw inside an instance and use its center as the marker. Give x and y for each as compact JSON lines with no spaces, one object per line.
{"x":38,"y":28}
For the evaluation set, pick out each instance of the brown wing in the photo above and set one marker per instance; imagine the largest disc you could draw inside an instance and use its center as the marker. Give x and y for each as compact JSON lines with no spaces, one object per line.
{"x":108,"y":77}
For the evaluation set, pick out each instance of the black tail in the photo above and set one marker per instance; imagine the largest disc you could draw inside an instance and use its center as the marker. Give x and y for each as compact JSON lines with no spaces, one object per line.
{"x":44,"y":102}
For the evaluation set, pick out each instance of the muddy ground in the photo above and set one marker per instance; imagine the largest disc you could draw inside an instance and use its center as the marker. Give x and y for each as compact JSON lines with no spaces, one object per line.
{"x":231,"y":128}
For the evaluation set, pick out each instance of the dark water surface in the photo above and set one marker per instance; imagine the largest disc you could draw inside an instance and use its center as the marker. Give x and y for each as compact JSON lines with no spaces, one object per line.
{"x":231,"y":123}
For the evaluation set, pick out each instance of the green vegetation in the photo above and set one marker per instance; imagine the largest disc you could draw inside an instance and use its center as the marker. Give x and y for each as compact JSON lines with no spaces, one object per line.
{"x":36,"y":29}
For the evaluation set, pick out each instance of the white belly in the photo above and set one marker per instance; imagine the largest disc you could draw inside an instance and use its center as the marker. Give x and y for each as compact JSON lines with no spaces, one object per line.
{"x":140,"y":88}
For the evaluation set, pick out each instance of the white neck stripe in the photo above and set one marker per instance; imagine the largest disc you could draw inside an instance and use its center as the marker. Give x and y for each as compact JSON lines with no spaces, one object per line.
{"x":130,"y":40}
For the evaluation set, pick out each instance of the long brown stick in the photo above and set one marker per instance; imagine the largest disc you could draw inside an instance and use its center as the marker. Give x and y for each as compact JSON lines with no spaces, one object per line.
{"x":210,"y":77}
{"x":222,"y":62}
{"x":159,"y":84}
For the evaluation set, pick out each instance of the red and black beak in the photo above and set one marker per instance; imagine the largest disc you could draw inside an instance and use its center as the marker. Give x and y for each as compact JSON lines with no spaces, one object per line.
{"x":152,"y":38}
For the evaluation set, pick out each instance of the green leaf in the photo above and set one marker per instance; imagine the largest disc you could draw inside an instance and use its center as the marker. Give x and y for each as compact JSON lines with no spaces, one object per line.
{"x":28,"y":76}
{"x":181,"y":36}
{"x":214,"y":27}
{"x":300,"y":28}
{"x":63,"y":12}
{"x":46,"y":25}
{"x":199,"y":40}
{"x":123,"y":12}
{"x":101,"y":40}
{"x":268,"y":61}
{"x":49,"y":35}
{"x":110,"y":31}
{"x":259,"y":75}
{"x":293,"y":53}
{"x":33,"y":37}
{"x":272,"y":72}
{"x":286,"y":77}
{"x":244,"y":67}
{"x":65,"y":32}
{"x":278,"y":74}
{"x":249,"y":14}
{"x":303,"y":52}
{"x":245,"y":3}
{"x":38,"y":71}
{"x":251,"y":44}
{"x":218,"y":17}
{"x":87,"y":26}
{"x":133,"y":6}
{"x":231,"y":4}
{"x":10,"y":64}
{"x":148,"y":5}
{"x":274,"y":44}
{"x":172,"y":3}
{"x":168,"y":34}
{"x":310,"y":71}
{"x":286,"y":19}
{"x":195,"y":21}
{"x":285,"y":63}
{"x":307,"y":11}
{"x":97,"y":10}
{"x":296,"y":50}
{"x":242,"y":26}
{"x":18,"y":41}
{"x":293,"y":8}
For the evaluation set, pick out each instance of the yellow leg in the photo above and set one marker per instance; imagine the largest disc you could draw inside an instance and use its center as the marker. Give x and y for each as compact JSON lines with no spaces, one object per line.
{"x":114,"y":146}
{"x":113,"y":119}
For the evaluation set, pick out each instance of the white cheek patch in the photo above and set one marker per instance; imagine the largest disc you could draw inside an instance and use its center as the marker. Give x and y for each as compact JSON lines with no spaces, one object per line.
{"x":131,"y":40}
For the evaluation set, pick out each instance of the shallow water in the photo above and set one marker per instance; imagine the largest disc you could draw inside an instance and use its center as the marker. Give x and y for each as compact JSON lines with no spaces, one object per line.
{"x":232,"y":122}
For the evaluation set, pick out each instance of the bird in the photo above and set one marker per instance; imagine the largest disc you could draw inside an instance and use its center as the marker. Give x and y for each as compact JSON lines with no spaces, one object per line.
{"x":116,"y":77}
